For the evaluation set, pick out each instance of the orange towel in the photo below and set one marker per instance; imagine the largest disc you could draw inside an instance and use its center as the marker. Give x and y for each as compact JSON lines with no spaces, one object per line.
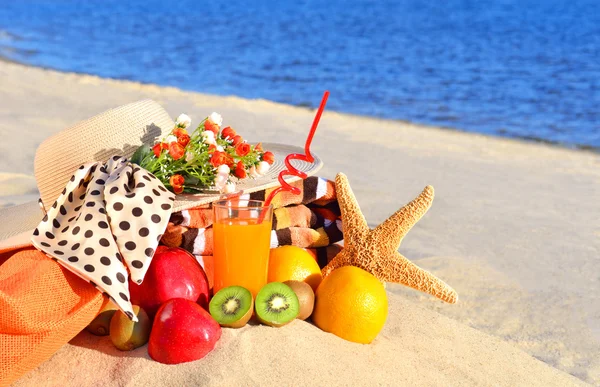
{"x":42,"y":307}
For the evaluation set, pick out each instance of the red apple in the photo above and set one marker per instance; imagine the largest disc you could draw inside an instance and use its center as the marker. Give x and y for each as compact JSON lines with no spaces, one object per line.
{"x":182,"y":332}
{"x":173,"y":273}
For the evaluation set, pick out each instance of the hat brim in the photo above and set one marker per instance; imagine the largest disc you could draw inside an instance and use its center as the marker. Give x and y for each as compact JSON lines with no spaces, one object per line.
{"x":16,"y":220}
{"x":25,"y":217}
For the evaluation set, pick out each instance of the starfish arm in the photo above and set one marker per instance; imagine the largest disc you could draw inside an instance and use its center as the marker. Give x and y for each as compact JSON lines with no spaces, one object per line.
{"x":341,"y":259}
{"x":398,"y":269}
{"x":399,"y":224}
{"x":354,"y":223}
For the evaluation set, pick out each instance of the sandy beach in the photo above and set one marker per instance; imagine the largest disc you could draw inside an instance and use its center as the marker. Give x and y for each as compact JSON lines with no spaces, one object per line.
{"x":514,"y":228}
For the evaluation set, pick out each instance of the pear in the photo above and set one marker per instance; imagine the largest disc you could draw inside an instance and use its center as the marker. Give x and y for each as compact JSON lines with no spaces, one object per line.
{"x":100,"y":325}
{"x":127,"y":335}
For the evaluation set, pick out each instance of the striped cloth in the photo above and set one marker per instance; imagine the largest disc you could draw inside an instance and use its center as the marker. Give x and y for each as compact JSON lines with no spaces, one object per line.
{"x":310,"y":220}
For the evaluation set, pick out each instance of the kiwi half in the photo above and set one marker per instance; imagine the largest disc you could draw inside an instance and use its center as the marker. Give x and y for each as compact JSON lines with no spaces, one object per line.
{"x":276,"y":304}
{"x":306,"y":297}
{"x":232,"y":306}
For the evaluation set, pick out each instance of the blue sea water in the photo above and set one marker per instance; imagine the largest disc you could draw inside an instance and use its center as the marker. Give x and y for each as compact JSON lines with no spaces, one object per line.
{"x":518,"y":68}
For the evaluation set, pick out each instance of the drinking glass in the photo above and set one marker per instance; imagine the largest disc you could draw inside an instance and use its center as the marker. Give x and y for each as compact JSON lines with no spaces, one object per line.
{"x":242,"y":239}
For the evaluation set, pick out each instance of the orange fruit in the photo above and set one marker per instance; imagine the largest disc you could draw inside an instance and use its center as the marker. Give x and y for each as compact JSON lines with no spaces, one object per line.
{"x":293,"y":263}
{"x":352,"y":304}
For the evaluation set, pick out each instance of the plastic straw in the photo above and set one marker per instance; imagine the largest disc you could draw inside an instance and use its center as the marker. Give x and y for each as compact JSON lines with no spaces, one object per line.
{"x":291,"y":171}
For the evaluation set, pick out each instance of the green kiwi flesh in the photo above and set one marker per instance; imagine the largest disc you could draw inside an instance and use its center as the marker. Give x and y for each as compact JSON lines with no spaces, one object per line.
{"x":276,"y":304}
{"x":232,"y":306}
{"x":306,"y":297}
{"x":127,"y":335}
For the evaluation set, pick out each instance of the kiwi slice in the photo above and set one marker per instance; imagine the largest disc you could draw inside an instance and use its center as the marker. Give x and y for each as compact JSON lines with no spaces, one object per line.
{"x":100,"y":325}
{"x":128,"y":335}
{"x":276,"y":304}
{"x":232,"y":306}
{"x":306,"y":297}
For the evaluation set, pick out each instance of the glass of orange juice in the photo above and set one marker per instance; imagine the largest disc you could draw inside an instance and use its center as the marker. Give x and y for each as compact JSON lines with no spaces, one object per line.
{"x":242,"y":239}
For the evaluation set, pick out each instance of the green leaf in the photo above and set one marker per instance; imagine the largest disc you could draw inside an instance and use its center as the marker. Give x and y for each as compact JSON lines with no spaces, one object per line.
{"x":140,"y":154}
{"x":191,"y":180}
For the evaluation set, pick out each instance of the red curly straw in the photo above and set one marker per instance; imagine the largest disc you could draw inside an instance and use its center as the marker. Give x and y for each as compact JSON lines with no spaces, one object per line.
{"x":291,"y":171}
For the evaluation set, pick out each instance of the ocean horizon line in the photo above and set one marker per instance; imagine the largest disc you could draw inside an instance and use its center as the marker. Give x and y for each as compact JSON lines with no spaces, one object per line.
{"x":523,"y":138}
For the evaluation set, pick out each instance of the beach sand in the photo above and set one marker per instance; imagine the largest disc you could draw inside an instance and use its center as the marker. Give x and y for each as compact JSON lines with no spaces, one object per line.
{"x":514,"y":228}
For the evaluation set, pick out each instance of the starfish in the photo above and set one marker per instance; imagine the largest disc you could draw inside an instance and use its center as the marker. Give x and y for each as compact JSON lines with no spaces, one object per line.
{"x":376,"y":250}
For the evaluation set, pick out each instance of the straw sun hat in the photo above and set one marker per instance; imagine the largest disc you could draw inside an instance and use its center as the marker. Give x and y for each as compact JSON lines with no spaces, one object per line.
{"x":118,"y":131}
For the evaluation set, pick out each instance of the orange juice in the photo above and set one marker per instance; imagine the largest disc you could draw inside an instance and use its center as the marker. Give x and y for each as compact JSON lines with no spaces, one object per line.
{"x":241,"y":253}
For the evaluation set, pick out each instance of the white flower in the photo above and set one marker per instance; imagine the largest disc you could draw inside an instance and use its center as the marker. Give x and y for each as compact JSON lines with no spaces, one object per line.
{"x":216,"y":118}
{"x":189,"y":156}
{"x":263,"y":168}
{"x":229,"y":188}
{"x":183,"y":121}
{"x":208,"y":137}
{"x":165,"y":139}
{"x":223,"y":169}
{"x":220,"y":148}
{"x":220,"y":181}
{"x":252,"y":172}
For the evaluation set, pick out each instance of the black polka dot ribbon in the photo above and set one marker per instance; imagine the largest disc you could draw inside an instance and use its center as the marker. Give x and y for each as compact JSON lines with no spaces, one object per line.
{"x":106,"y":225}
